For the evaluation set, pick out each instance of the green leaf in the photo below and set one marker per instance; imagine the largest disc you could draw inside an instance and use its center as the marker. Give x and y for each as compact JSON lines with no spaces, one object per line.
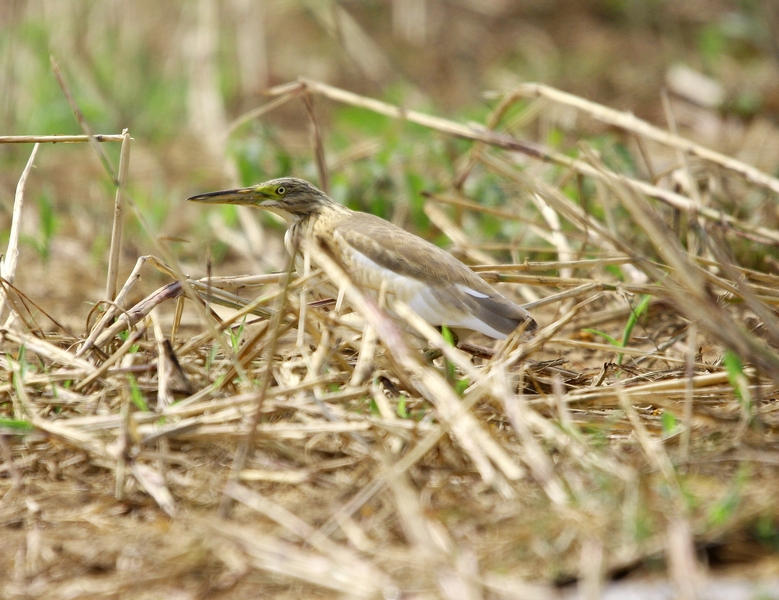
{"x":631,"y":323}
{"x":635,"y":315}
{"x":16,"y":424}
{"x":447,"y":335}
{"x":236,"y":334}
{"x":669,"y":423}
{"x":136,"y":396}
{"x":401,"y":409}
{"x":737,"y":378}
{"x":373,"y":408}
{"x":606,"y":336}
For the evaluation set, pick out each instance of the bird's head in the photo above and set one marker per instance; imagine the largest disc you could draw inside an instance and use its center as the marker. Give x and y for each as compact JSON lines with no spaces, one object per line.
{"x":288,"y":197}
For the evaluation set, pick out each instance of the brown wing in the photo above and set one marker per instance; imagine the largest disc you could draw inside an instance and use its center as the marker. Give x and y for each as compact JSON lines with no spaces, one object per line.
{"x":405,"y":253}
{"x":452,"y":282}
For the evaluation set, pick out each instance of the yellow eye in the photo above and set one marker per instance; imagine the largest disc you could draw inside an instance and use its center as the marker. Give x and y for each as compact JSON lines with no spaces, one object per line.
{"x":281,"y":190}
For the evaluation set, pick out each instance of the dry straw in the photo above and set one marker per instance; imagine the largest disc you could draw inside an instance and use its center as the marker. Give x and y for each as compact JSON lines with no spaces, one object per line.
{"x":364,"y":467}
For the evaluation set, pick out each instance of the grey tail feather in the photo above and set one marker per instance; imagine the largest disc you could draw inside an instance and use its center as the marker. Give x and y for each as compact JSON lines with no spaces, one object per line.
{"x":501,"y":314}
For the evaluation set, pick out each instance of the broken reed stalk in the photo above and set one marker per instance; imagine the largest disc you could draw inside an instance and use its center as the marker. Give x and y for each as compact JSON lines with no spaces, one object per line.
{"x":10,"y":260}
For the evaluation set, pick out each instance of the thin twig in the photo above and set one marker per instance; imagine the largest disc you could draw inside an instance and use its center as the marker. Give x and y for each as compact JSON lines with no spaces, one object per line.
{"x":118,"y":222}
{"x":59,"y":139}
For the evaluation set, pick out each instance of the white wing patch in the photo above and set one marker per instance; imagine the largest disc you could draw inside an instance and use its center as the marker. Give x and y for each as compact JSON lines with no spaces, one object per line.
{"x":471,"y":292}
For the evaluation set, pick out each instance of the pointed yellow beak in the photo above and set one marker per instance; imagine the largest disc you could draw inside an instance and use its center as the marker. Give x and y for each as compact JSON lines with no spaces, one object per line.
{"x":241,"y":196}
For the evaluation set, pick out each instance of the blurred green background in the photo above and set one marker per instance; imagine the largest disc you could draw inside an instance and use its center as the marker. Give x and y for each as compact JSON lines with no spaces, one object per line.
{"x":179,"y":73}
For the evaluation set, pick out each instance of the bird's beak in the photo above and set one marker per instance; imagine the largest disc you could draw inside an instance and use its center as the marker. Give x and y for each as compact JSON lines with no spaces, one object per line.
{"x":243,"y":196}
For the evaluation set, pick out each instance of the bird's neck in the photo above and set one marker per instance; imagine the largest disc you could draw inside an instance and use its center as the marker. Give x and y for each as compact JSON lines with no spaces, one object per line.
{"x":301,"y":225}
{"x":316,"y":224}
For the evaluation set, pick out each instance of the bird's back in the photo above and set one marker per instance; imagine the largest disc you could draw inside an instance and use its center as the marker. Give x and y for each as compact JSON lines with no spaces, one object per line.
{"x":434,"y":283}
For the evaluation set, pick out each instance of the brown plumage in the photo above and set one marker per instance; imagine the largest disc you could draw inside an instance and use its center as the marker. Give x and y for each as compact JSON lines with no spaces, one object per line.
{"x":435,"y":284}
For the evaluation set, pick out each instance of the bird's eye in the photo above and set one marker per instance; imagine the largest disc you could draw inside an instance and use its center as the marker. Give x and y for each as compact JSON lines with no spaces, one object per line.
{"x":281,"y":190}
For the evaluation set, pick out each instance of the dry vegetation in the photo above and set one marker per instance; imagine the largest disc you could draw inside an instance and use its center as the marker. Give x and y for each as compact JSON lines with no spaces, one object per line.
{"x":358,"y":466}
{"x":233,"y":437}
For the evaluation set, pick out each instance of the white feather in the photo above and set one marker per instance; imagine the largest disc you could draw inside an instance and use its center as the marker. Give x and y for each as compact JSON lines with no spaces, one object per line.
{"x":471,"y":292}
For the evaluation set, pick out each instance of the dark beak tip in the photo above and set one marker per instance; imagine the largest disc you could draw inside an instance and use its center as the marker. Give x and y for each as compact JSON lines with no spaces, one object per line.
{"x":198,"y":198}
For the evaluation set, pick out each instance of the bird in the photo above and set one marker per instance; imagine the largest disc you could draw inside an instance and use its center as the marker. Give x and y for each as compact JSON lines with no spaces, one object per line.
{"x":438,"y":287}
